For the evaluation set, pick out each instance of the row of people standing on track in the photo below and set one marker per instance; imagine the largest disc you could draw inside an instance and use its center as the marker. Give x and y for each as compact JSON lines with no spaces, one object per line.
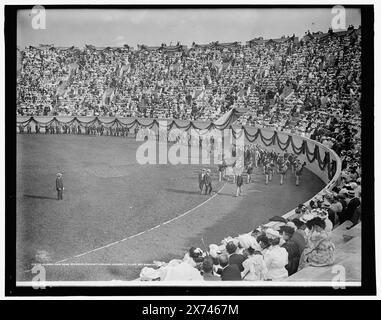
{"x":97,"y":130}
{"x":271,"y":162}
{"x":137,"y":131}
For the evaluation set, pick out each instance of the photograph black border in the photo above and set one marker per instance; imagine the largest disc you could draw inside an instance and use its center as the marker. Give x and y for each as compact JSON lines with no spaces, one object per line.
{"x":368,"y":279}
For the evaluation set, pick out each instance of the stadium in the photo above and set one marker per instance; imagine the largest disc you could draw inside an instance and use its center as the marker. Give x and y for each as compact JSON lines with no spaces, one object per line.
{"x":271,"y":126}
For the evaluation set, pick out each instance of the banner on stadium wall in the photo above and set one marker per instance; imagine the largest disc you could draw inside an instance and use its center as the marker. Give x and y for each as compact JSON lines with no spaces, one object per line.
{"x":325,"y":164}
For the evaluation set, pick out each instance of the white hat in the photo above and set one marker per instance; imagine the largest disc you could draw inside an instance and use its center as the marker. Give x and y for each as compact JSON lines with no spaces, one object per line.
{"x":307,"y":217}
{"x":214,"y":250}
{"x":343,"y":191}
{"x":246,"y":240}
{"x":149,"y":274}
{"x":272,"y":234}
{"x":353,"y":185}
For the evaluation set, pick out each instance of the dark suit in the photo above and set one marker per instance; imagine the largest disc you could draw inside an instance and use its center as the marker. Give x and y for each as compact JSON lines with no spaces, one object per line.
{"x":201,"y":180}
{"x":208,"y":184}
{"x":351,"y":208}
{"x":211,"y":277}
{"x":59,"y":187}
{"x":237,"y":259}
{"x":293,"y":256}
{"x":231,"y":273}
{"x":239,"y":180}
{"x":299,"y":239}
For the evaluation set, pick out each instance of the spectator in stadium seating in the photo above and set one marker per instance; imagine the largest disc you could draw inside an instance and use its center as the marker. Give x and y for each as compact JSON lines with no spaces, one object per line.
{"x":292,"y":249}
{"x":320,"y":250}
{"x":276,"y":257}
{"x":299,"y":236}
{"x":264,"y":242}
{"x":234,"y":257}
{"x":334,"y":210}
{"x":254,"y":267}
{"x":214,"y":252}
{"x":229,"y":272}
{"x":207,"y":270}
{"x":324,"y":215}
{"x":356,"y":216}
{"x":341,"y":198}
{"x":185,"y":270}
{"x":353,"y":203}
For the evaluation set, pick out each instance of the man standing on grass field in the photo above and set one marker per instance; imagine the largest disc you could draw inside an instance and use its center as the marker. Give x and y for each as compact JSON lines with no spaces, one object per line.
{"x":208,"y":182}
{"x":59,"y":186}
{"x":201,"y":180}
{"x":239,"y":181}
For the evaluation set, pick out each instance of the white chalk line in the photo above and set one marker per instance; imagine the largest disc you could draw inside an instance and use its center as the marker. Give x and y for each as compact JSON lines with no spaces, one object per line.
{"x":143,"y":232}
{"x":56,"y":264}
{"x":253,"y":190}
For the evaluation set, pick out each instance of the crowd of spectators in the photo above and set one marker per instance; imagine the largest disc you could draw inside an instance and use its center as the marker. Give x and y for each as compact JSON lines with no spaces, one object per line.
{"x":199,"y":83}
{"x":269,"y":252}
{"x":310,"y":87}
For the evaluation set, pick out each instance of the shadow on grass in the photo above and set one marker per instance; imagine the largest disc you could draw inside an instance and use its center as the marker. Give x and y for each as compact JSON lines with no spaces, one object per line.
{"x":182,"y":191}
{"x":39,"y":197}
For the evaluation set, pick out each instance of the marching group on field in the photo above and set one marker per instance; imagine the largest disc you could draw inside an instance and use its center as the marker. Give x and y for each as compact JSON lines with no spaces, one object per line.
{"x":254,"y":156}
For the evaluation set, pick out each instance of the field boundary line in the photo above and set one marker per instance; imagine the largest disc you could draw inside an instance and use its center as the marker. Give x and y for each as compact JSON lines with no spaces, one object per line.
{"x":146,"y":231}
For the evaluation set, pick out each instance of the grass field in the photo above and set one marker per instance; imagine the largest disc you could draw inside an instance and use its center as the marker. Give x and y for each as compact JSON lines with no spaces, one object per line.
{"x":109,"y":197}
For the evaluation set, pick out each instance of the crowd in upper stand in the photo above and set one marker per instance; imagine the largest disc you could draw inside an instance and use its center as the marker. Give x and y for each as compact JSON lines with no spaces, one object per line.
{"x":322,"y":72}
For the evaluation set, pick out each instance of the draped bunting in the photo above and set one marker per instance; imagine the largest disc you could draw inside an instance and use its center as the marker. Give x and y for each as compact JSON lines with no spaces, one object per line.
{"x":311,"y":155}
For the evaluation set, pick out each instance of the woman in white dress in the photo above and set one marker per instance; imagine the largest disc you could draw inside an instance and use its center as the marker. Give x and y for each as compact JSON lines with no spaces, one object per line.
{"x":275,"y":257}
{"x":254,"y":266}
